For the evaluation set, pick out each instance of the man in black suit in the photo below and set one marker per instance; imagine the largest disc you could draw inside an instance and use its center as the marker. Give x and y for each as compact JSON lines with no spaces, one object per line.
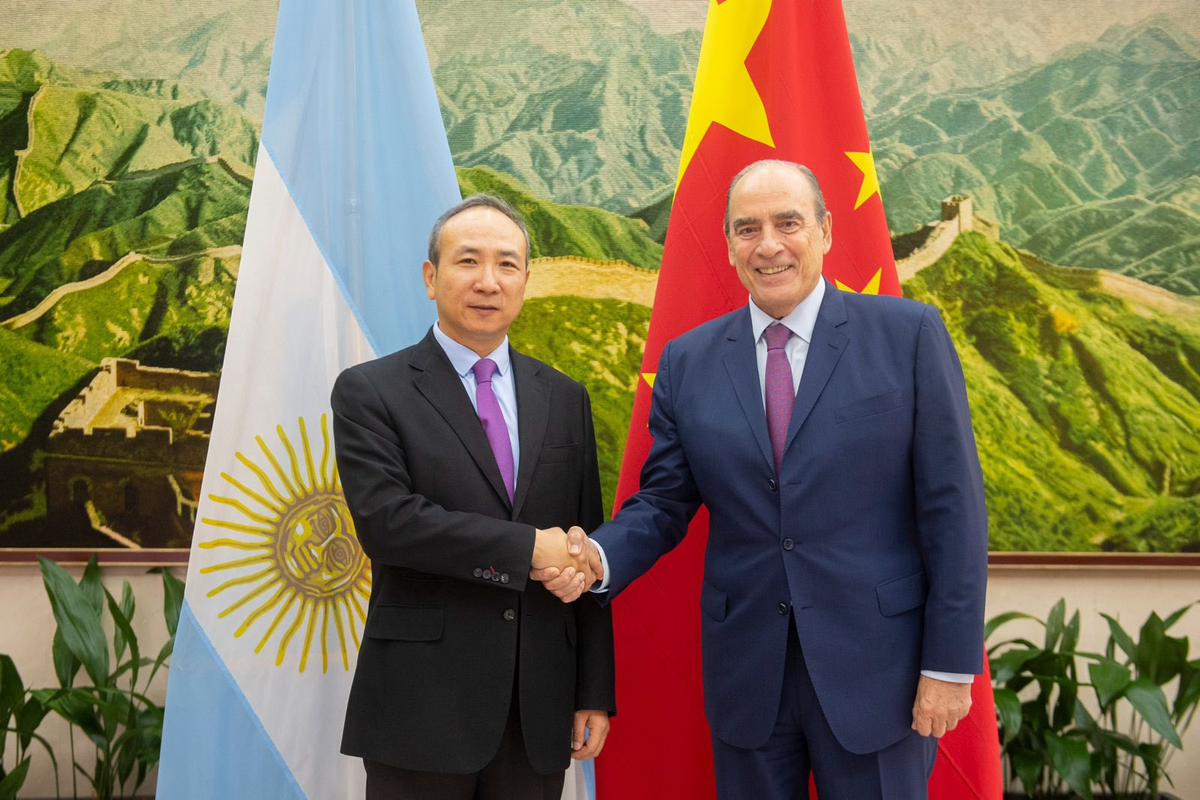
{"x":473,"y":681}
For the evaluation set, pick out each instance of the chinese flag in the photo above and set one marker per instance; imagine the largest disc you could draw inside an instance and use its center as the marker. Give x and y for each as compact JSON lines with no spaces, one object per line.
{"x":775,"y":80}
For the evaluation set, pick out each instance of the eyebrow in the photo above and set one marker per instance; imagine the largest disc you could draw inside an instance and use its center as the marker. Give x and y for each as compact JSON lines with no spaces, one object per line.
{"x":467,"y":250}
{"x":790,"y":214}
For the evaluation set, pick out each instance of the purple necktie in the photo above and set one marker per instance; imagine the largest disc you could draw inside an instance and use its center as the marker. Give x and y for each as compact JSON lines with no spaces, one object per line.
{"x":493,"y":420}
{"x":781,"y":395}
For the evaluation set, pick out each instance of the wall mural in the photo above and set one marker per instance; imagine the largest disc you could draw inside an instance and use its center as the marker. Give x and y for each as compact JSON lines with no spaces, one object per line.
{"x":1040,"y":167}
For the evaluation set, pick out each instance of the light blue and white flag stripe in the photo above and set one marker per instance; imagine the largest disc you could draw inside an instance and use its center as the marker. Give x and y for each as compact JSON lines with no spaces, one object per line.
{"x":352,"y":171}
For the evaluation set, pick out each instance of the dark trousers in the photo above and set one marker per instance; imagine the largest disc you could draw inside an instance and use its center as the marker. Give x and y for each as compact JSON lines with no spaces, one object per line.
{"x":508,"y":776}
{"x":802,"y":742}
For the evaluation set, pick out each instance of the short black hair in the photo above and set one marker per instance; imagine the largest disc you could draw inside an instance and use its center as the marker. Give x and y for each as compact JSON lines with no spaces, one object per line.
{"x":818,"y":196}
{"x":479,"y":200}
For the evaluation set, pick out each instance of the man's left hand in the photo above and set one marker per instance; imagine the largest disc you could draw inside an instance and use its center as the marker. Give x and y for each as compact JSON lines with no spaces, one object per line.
{"x":939,"y":706}
{"x":596,"y":724}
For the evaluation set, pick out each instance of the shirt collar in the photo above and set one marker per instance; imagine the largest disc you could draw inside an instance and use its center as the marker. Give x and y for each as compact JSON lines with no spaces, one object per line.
{"x":800,"y":322}
{"x":463,"y":358}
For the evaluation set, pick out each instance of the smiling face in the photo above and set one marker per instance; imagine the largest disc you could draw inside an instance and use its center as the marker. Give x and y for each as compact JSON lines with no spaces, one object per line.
{"x":776,"y":243}
{"x":479,"y":281}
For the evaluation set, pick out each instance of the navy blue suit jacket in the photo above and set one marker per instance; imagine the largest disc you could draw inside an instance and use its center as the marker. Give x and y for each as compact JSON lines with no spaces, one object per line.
{"x":874,"y":533}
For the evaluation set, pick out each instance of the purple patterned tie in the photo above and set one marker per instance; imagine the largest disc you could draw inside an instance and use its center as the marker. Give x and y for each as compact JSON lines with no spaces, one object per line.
{"x":781,"y":395}
{"x":493,"y":420}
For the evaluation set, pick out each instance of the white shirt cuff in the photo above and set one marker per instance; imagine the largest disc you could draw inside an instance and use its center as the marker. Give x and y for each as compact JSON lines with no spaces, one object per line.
{"x":602,"y":586}
{"x":949,"y":677}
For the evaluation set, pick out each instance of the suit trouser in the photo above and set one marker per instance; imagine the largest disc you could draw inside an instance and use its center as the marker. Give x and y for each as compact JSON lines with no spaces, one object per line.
{"x":802,"y":742}
{"x":508,"y":776}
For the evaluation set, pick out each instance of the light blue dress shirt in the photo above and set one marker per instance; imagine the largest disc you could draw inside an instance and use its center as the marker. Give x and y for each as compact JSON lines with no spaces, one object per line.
{"x":463,"y":359}
{"x":800,"y":322}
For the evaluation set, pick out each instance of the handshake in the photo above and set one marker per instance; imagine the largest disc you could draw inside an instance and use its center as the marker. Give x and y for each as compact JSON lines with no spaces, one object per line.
{"x":567,"y":563}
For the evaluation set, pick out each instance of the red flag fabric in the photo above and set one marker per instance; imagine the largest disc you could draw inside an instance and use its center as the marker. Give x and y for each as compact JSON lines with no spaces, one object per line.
{"x":775,"y":80}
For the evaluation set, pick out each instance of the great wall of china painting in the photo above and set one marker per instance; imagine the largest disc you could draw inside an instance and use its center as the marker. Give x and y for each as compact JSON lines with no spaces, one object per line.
{"x":1040,"y":167}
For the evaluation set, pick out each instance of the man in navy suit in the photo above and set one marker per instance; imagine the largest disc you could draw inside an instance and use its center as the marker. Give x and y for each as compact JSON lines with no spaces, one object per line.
{"x":844,"y":579}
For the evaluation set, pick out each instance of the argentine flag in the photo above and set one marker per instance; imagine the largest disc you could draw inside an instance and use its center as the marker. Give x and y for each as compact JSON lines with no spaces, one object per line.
{"x":352,"y":171}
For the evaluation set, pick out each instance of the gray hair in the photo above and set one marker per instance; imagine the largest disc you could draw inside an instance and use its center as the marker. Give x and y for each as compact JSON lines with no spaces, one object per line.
{"x":818,"y":197}
{"x":479,"y":200}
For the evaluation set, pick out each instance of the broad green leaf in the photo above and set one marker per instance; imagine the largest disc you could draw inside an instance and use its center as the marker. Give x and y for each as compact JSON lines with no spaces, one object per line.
{"x":92,"y":586}
{"x":1151,"y":703}
{"x":76,"y":706}
{"x":127,"y":606}
{"x":1028,"y":765}
{"x":1008,"y":709}
{"x":1175,"y":616}
{"x":1054,"y":624}
{"x":28,"y":719}
{"x":1000,"y":619}
{"x":1070,"y":758}
{"x":1109,"y":679}
{"x":12,"y":692}
{"x":1157,"y":656}
{"x":1064,"y":708}
{"x":1119,"y":636}
{"x":78,"y":620}
{"x":14,"y":780}
{"x":121,"y":622}
{"x":1009,"y":663}
{"x":1083,"y":720}
{"x":66,"y":665}
{"x":172,"y":598}
{"x":1071,"y":634}
{"x":1187,"y":695}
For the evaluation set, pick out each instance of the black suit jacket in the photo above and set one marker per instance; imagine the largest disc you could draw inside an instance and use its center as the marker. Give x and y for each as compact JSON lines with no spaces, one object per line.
{"x":453,"y":616}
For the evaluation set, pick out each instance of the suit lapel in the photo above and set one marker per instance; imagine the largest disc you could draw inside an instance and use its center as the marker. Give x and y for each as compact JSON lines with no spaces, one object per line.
{"x":824,"y":352}
{"x":741,"y":361}
{"x":533,"y":412}
{"x":442,"y":387}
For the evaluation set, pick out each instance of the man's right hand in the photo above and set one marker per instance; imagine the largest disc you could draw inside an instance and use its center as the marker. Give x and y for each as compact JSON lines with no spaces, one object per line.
{"x":570,"y":581}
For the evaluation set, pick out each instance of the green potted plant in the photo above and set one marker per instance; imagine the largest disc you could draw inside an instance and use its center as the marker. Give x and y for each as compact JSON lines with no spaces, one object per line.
{"x":1083,"y":724}
{"x":112,"y":707}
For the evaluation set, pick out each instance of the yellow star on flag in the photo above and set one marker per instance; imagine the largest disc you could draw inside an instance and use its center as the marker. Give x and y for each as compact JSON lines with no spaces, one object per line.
{"x":649,"y":377}
{"x":872,"y":286}
{"x":724,"y":92}
{"x":870,"y":183}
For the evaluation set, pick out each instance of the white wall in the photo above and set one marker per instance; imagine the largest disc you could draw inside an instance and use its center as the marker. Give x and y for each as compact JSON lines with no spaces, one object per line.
{"x":1128,"y":593}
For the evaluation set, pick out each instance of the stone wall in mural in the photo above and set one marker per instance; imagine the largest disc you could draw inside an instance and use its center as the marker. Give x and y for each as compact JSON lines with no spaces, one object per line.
{"x":1040,"y":167}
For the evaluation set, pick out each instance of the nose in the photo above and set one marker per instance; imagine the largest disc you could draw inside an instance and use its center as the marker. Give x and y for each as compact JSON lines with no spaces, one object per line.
{"x":769,"y":244}
{"x":488,"y":280}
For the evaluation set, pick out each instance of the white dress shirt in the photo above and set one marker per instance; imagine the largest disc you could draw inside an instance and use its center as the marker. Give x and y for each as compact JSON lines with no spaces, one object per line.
{"x":800,"y":322}
{"x":463,"y":359}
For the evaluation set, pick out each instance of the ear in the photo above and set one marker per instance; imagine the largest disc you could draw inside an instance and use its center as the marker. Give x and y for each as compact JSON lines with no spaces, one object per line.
{"x":729,"y":242}
{"x":827,"y":231}
{"x":428,"y":271}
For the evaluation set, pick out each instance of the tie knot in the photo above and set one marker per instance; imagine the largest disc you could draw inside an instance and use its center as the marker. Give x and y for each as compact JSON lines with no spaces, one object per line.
{"x":777,"y":336}
{"x":484,"y":369}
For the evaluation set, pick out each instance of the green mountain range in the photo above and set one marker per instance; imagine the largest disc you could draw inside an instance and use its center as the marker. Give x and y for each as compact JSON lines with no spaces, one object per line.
{"x":580,"y":100}
{"x":562,"y":230}
{"x":1085,"y":396}
{"x":1091,"y":159}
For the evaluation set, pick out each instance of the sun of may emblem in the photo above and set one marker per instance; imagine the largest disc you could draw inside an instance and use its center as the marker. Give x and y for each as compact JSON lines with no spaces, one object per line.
{"x":305,"y":564}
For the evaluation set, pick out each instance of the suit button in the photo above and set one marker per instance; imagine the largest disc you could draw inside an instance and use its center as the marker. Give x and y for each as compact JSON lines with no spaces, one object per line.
{"x":783,"y":609}
{"x":509,"y":614}
{"x":478,"y":573}
{"x":772,"y":485}
{"x":504,"y":577}
{"x":788,"y":544}
{"x":495,"y":577}
{"x":487,"y":575}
